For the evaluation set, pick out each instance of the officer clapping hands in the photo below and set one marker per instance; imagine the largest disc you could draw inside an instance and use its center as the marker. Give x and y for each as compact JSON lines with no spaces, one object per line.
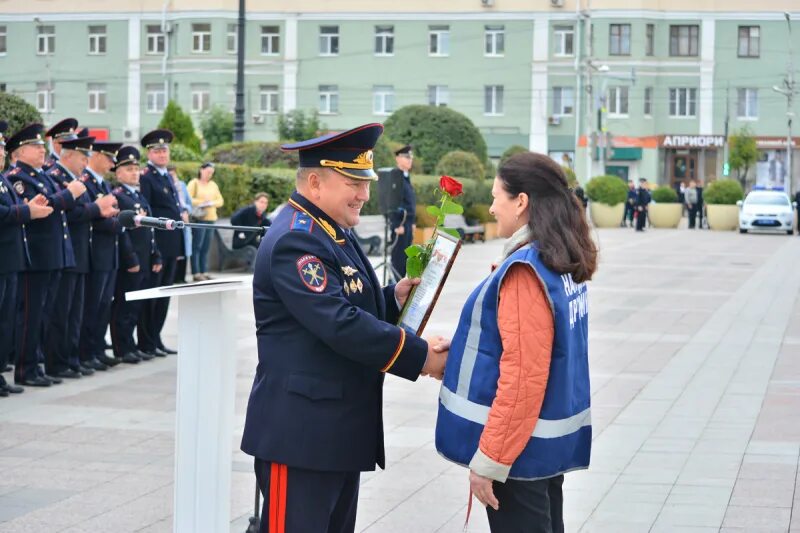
{"x":107,"y":205}
{"x":38,"y":207}
{"x":76,"y":188}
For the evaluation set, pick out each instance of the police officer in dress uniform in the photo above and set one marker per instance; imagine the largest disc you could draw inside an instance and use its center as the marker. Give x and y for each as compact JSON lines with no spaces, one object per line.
{"x":159,"y":191}
{"x":103,"y":256}
{"x":138,"y":257}
{"x":325,"y":340}
{"x":403,"y":220}
{"x":62,"y":342}
{"x":49,"y":251}
{"x":642,"y":204}
{"x":14,"y":214}
{"x":64,"y":130}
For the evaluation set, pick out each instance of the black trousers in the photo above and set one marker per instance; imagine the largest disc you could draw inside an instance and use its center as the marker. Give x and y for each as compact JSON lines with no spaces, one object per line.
{"x":154,"y":312}
{"x":125,"y":314}
{"x":63,"y":336}
{"x":8,"y":311}
{"x":399,"y":251}
{"x":96,"y":313}
{"x":528,"y":506}
{"x":693,"y":217}
{"x":297,"y":500}
{"x":36,"y":297}
{"x":641,"y":218}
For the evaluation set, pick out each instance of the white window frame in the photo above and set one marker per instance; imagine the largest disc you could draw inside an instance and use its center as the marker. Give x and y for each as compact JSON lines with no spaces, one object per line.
{"x":561,"y":36}
{"x":45,"y":40}
{"x":748,"y":96}
{"x":98,"y":97}
{"x":618,"y":101}
{"x":439,"y":41}
{"x":232,"y":38}
{"x":155,"y":98}
{"x":270,"y":40}
{"x":685,"y":97}
{"x":268,"y":100}
{"x":648,"y":102}
{"x":328,"y":41}
{"x":3,"y":39}
{"x":98,"y":40}
{"x":493,"y":105}
{"x":201,"y":38}
{"x":438,"y":95}
{"x":563,"y":101}
{"x":328,"y":100}
{"x":623,"y":40}
{"x":156,"y":40}
{"x":751,"y":40}
{"x":384,"y":41}
{"x":382,"y":99}
{"x":494,"y":41}
{"x":45,"y":98}
{"x":201,"y":98}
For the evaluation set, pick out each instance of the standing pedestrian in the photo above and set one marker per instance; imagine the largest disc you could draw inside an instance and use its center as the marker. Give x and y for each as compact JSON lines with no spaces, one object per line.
{"x":700,"y":204}
{"x":692,"y":202}
{"x":403,"y":220}
{"x":630,"y":205}
{"x":206,"y":199}
{"x":643,"y":199}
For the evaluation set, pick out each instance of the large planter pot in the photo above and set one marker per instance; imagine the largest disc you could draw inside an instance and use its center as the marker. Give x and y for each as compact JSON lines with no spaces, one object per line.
{"x":421,"y":235}
{"x":490,"y":230}
{"x":606,"y":216}
{"x":665,"y":215}
{"x":723,"y":217}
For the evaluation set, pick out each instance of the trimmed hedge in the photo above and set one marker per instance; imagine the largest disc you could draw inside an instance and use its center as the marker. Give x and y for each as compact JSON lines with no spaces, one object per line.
{"x":609,"y":190}
{"x":460,"y":164}
{"x":723,"y":192}
{"x":179,"y":152}
{"x":253,"y":154}
{"x":479,"y":213}
{"x":665,"y":195}
{"x":423,"y":218}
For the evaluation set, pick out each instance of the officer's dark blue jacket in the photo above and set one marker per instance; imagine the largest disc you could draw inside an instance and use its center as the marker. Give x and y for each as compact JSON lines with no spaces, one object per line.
{"x":78,"y":220}
{"x":408,"y":205}
{"x":13,"y":217}
{"x":104,"y":246}
{"x":49,"y":241}
{"x":137,"y":246}
{"x":163,"y":199}
{"x":325,"y":339}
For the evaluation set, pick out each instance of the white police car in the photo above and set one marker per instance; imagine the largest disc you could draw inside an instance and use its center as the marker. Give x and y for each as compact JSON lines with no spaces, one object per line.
{"x":766,"y":210}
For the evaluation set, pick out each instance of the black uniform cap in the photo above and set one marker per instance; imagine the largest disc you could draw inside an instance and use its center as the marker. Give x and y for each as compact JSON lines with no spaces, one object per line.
{"x":107,"y":148}
{"x":127,"y":155}
{"x":81,"y":144}
{"x":65,"y":129}
{"x":30,"y":134}
{"x":404,"y":150}
{"x":157,"y":138}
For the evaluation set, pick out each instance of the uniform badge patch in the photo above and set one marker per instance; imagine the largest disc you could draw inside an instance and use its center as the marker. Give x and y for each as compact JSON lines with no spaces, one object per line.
{"x":19,"y":187}
{"x":312,"y":272}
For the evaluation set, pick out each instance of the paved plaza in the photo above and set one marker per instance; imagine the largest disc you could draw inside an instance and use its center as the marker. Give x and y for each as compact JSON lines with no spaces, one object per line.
{"x":695,"y":365}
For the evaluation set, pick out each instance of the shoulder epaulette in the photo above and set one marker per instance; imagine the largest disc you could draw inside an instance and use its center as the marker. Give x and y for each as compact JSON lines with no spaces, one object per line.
{"x":302,"y":222}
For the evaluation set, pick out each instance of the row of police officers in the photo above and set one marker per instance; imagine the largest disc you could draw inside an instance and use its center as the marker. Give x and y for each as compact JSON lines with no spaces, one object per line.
{"x":66,"y":261}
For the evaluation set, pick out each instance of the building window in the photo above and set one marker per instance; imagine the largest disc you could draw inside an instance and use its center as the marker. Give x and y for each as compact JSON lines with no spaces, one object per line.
{"x":619,"y":40}
{"x":45,"y":97}
{"x":649,"y":40}
{"x":564,"y":41}
{"x":384,"y":40}
{"x":747,"y":106}
{"x":493,"y":100}
{"x":648,"y":101}
{"x":683,"y":40}
{"x":328,"y":40}
{"x":495,"y":41}
{"x":439,"y":41}
{"x":156,"y":97}
{"x":382,"y":99}
{"x":201,"y":38}
{"x":328,"y":99}
{"x":268,"y":99}
{"x":46,"y":40}
{"x":201,"y":98}
{"x":232,"y":38}
{"x":617,"y":104}
{"x":155,"y":40}
{"x":97,"y":40}
{"x":2,"y":40}
{"x":97,"y":97}
{"x":270,"y":40}
{"x":2,"y":87}
{"x":682,"y":102}
{"x":438,"y":95}
{"x":749,"y":41}
{"x":563,"y":101}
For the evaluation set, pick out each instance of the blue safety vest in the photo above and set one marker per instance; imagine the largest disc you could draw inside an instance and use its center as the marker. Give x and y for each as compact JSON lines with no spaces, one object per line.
{"x":562,"y":438}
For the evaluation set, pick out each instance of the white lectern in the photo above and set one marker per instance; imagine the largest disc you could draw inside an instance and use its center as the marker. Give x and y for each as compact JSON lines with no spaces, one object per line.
{"x":204,"y":399}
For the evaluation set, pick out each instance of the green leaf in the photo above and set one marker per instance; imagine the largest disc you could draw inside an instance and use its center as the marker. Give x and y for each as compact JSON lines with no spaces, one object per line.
{"x":433,"y":210}
{"x":414,"y":267}
{"x":451,"y":231}
{"x":414,"y":250}
{"x":452,"y":208}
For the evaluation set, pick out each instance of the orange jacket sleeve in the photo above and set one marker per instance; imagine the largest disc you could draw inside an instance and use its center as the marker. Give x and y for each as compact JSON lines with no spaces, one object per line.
{"x":525,"y":320}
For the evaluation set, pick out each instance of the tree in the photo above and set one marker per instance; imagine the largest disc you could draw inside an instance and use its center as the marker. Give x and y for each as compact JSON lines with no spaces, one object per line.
{"x":743,"y":154}
{"x":435,"y":131}
{"x":296,"y":126}
{"x":217,"y":127}
{"x":180,"y":124}
{"x":17,"y":112}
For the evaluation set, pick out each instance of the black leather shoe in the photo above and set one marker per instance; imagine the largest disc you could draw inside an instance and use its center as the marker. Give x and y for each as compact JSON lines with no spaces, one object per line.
{"x":35,"y":382}
{"x":159,"y":352}
{"x":68,"y":373}
{"x":94,"y":364}
{"x":166,"y":350}
{"x":54,"y":380}
{"x":13,"y":389}
{"x":85,"y":370}
{"x":130,"y":358}
{"x":144,"y":356}
{"x":108,"y":361}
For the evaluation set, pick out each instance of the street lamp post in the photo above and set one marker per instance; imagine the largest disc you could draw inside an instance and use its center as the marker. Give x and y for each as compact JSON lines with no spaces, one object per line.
{"x":238,"y":118}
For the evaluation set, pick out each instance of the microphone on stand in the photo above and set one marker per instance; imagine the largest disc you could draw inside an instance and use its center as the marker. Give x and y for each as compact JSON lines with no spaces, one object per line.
{"x":130,"y":220}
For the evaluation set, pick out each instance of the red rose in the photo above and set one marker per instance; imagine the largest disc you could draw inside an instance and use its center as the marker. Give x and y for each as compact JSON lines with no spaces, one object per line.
{"x":451,"y":186}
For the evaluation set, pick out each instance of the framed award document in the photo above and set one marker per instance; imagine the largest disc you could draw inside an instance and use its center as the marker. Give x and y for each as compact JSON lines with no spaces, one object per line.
{"x":419,"y":306}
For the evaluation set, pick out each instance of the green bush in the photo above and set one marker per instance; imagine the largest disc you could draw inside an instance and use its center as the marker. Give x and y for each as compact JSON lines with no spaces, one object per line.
{"x":17,"y":112}
{"x":665,"y":195}
{"x":435,"y":131}
{"x":609,"y":190}
{"x":296,"y":126}
{"x":460,"y":164}
{"x":217,"y":126}
{"x":479,"y":213}
{"x":426,"y":189}
{"x":254,"y":154}
{"x":572,"y":179}
{"x":178,"y":153}
{"x":512,"y":150}
{"x":723,"y":192}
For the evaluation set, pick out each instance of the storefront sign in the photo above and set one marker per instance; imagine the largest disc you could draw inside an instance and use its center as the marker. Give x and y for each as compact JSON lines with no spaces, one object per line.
{"x":693,"y":141}
{"x":766,"y":143}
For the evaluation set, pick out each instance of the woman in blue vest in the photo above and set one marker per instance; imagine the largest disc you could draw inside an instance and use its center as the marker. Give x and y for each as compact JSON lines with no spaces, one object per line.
{"x":514,"y":403}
